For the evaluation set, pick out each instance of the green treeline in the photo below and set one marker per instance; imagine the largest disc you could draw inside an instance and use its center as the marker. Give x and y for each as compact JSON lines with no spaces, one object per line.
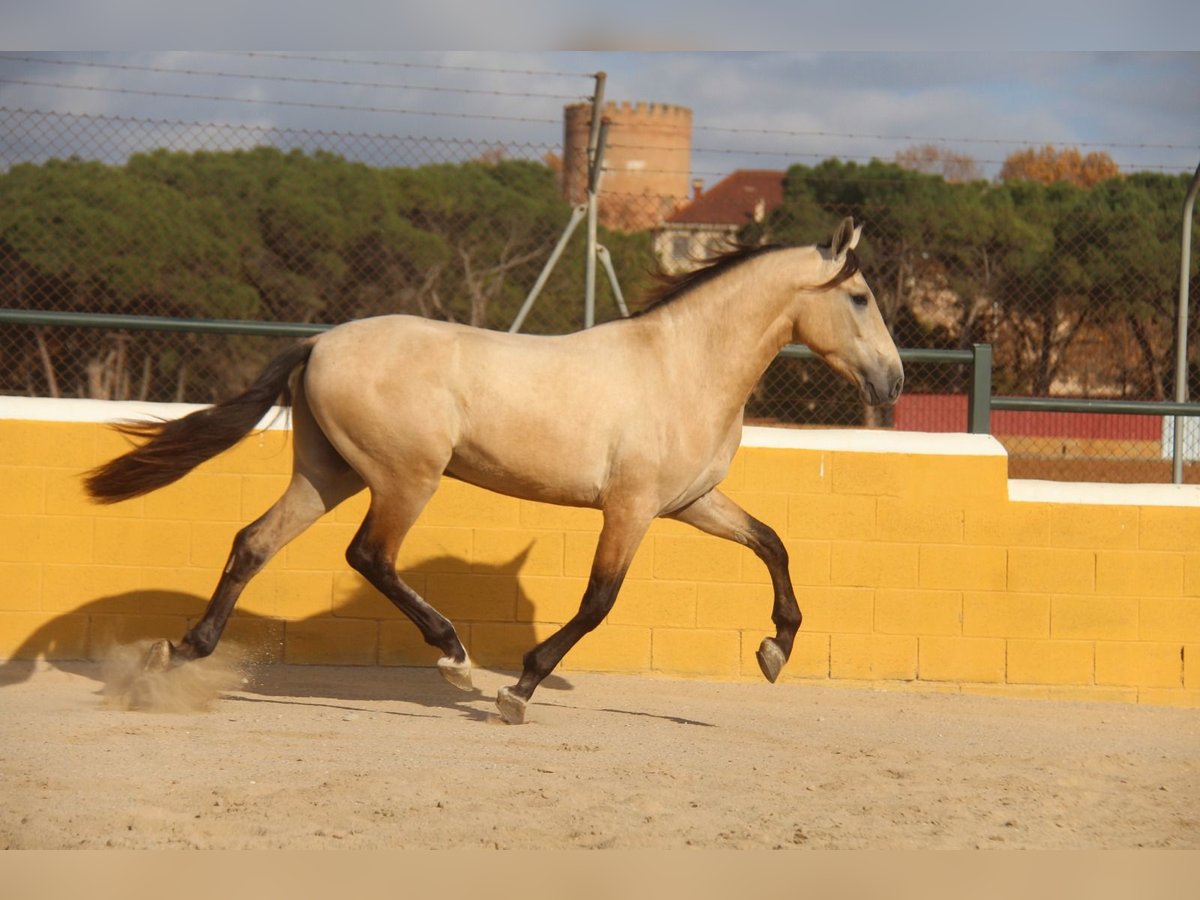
{"x":264,"y":234}
{"x":1072,"y":286}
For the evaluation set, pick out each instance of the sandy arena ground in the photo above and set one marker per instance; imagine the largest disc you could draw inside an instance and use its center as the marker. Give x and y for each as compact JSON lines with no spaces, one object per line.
{"x":312,"y":757}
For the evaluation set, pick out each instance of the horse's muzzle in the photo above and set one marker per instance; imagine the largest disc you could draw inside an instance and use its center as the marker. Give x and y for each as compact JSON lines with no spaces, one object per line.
{"x":884,"y":395}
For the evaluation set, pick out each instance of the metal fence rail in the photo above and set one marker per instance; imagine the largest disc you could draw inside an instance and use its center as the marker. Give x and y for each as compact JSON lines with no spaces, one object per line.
{"x":981,"y":402}
{"x":164,"y":324}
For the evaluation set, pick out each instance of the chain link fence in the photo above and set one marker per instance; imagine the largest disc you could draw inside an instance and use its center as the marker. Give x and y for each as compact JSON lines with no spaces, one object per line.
{"x":1074,"y":288}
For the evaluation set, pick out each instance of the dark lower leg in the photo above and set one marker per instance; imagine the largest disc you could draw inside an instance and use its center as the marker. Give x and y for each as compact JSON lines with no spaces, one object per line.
{"x":716,"y":514}
{"x":378,"y":567}
{"x":624,"y":527}
{"x":243,"y":564}
{"x":785,"y":613}
{"x":202,"y":638}
{"x":541,"y":660}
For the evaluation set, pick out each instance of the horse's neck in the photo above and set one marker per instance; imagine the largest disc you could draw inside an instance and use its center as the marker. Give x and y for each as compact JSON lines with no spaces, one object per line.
{"x":730,"y":331}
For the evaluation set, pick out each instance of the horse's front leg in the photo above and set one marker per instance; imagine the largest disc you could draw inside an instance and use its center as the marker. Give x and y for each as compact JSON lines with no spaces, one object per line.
{"x":619,"y":539}
{"x":716,"y":514}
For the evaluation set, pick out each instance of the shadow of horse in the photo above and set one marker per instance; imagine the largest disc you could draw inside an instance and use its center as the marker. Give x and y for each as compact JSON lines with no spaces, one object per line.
{"x":269,"y":679}
{"x":258,"y":642}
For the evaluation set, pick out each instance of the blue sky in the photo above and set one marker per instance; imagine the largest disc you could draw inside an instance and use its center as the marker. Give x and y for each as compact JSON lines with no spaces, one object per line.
{"x":760,"y":109}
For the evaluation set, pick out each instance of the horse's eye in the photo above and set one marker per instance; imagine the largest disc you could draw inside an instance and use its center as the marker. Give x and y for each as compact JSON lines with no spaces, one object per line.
{"x":860,"y":299}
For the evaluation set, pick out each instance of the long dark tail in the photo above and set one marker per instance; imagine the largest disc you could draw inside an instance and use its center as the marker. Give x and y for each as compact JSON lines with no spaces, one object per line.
{"x":174,"y":448}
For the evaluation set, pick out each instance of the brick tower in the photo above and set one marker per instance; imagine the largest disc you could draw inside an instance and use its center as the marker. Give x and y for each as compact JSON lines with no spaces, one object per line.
{"x":646,"y":161}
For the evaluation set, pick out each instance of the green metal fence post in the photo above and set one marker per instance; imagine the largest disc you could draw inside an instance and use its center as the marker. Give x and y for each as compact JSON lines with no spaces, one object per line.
{"x":1181,"y":330}
{"x":979,"y":400}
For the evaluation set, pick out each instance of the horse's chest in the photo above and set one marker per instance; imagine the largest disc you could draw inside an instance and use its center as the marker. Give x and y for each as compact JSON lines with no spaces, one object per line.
{"x":688,"y":480}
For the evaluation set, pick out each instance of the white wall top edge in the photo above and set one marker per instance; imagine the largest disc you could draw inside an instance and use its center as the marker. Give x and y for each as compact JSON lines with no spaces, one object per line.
{"x":829,"y":439}
{"x":862,"y":440}
{"x":67,"y":409}
{"x":1103,"y":494}
{"x":42,"y":409}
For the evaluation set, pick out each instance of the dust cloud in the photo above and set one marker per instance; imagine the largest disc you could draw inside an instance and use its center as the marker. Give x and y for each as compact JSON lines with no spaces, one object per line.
{"x":192,"y":687}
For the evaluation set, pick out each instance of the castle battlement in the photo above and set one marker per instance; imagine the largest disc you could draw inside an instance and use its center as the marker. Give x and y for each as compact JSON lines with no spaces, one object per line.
{"x":626,"y":109}
{"x":642,"y":108}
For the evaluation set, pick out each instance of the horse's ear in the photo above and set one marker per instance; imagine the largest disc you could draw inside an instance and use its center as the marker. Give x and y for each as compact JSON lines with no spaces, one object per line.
{"x":845,"y":238}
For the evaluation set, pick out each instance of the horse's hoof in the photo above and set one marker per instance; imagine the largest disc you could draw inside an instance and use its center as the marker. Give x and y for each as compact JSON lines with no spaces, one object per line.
{"x":512,"y":707}
{"x":457,"y":673}
{"x":158,"y":658}
{"x":770,"y":659}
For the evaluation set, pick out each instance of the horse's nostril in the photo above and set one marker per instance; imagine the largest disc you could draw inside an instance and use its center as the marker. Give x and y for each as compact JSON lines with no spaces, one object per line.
{"x":897,"y":386}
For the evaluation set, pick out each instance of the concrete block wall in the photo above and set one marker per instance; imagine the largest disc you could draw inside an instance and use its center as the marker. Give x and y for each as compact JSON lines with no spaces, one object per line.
{"x":917,"y":564}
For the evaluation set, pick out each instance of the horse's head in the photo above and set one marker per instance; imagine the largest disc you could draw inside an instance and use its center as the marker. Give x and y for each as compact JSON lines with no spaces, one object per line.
{"x":840,"y":320}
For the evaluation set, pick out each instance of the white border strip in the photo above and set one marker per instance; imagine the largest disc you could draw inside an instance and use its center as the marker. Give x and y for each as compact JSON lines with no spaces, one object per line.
{"x":864,"y":440}
{"x":40,"y":409}
{"x":1103,"y":494}
{"x":67,"y":409}
{"x":861,"y":440}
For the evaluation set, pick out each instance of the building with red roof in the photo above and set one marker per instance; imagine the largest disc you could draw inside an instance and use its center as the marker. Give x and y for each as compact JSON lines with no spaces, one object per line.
{"x":712,"y":219}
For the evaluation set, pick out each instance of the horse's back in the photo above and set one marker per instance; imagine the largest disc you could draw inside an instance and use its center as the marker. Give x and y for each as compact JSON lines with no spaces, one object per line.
{"x":389,"y":352}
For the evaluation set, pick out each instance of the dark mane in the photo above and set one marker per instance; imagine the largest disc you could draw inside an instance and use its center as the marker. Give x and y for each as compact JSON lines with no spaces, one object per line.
{"x":671,"y":287}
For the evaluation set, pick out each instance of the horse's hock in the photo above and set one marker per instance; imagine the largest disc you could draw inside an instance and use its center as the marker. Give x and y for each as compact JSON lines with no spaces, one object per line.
{"x":917,"y":562}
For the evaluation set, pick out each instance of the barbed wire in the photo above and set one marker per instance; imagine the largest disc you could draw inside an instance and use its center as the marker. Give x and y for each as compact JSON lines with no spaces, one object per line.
{"x":292,"y":79}
{"x":926,"y":139}
{"x":407,"y":65}
{"x":272,"y":55}
{"x":521,"y":94}
{"x":307,"y":104}
{"x":265,"y":129}
{"x":541,"y":147}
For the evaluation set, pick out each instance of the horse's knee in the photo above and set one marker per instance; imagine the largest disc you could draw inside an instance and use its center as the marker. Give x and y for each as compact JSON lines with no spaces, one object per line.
{"x":366,"y":556}
{"x":598,"y":601}
{"x":592,"y":614}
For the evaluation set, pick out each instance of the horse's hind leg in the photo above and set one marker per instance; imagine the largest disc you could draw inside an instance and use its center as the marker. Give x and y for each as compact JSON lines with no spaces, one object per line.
{"x":716,"y":514}
{"x":373,"y":554}
{"x":253,"y":547}
{"x":321,"y":480}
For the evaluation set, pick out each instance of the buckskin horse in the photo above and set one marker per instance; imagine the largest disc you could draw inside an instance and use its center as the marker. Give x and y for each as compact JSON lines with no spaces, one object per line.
{"x":638,"y":417}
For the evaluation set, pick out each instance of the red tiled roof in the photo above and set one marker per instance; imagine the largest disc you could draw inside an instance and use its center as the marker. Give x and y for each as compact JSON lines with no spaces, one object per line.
{"x":732,"y":200}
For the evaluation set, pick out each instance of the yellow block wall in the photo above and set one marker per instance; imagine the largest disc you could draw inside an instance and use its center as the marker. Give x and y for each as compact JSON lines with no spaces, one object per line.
{"x":912,"y":570}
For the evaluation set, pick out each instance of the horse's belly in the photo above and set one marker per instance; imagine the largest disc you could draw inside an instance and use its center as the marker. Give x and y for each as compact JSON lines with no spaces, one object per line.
{"x":533,"y":473}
